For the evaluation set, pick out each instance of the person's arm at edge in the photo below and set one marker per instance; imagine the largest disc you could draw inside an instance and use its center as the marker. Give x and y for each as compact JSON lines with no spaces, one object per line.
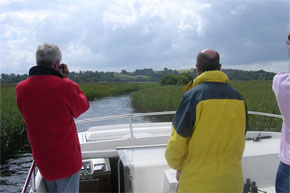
{"x":277,"y":79}
{"x":182,"y":128}
{"x":281,"y":89}
{"x":77,"y":100}
{"x":18,"y":99}
{"x":176,"y":150}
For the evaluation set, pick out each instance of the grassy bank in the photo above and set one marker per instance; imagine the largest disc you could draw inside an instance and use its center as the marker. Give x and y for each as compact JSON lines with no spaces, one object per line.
{"x":162,"y":98}
{"x":13,"y":130}
{"x":257,"y":94}
{"x":99,"y":90}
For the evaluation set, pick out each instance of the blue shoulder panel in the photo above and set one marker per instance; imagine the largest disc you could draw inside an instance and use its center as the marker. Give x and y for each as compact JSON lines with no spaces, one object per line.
{"x":184,"y":119}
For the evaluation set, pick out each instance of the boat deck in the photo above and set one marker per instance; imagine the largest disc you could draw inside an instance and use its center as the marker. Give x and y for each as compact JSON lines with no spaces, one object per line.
{"x":141,"y":151}
{"x":260,"y":162}
{"x":147,"y":163}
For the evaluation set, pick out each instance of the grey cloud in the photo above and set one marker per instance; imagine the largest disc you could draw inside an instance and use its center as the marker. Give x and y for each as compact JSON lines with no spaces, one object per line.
{"x":104,"y":35}
{"x":257,"y":33}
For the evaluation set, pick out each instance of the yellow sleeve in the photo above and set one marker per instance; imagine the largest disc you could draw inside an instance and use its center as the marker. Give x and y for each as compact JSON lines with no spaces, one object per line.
{"x":176,"y":150}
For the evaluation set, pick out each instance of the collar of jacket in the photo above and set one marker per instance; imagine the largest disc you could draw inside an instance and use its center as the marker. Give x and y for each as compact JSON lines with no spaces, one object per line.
{"x":208,"y":76}
{"x":43,"y":70}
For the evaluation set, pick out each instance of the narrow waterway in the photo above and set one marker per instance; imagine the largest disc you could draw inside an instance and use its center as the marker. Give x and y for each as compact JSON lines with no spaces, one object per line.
{"x":13,"y":173}
{"x":109,"y":106}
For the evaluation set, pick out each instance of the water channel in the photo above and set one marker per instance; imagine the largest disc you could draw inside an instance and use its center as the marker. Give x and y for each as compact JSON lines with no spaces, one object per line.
{"x":13,"y":173}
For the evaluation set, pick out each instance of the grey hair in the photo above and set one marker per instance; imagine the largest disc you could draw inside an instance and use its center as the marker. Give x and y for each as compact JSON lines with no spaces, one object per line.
{"x":47,"y":55}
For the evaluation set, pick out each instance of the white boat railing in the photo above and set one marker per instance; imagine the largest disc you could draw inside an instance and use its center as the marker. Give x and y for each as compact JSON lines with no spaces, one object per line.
{"x":129,"y":116}
{"x":156,"y":113}
{"x":32,"y":173}
{"x":264,"y":114}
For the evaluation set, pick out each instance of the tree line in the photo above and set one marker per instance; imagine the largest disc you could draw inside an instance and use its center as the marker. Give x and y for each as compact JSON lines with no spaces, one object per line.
{"x":147,"y":75}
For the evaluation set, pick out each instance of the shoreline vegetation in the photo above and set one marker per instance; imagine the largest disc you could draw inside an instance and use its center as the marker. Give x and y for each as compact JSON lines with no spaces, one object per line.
{"x":257,"y":94}
{"x":146,"y":97}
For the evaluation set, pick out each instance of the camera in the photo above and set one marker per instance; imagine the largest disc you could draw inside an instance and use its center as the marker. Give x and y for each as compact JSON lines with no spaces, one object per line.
{"x":61,"y":67}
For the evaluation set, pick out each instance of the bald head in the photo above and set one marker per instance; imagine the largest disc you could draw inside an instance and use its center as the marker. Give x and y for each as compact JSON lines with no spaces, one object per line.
{"x":207,"y":60}
{"x":210,"y":53}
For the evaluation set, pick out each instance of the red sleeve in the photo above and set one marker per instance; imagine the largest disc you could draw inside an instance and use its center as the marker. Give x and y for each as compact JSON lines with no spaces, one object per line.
{"x":17,"y":98}
{"x":77,"y":100}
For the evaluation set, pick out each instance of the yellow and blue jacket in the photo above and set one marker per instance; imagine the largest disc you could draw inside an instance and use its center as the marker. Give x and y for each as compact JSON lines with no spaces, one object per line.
{"x":208,"y":136}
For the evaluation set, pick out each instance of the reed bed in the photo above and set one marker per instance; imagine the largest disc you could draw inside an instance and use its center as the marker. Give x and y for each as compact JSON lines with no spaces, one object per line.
{"x":260,"y":97}
{"x":13,"y":132}
{"x":157,"y":99}
{"x":257,"y":94}
{"x":100,"y":90}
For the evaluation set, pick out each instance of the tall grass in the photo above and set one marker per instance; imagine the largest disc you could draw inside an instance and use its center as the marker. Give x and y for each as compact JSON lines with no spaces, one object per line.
{"x":260,"y":97}
{"x":99,"y":90}
{"x":162,"y":98}
{"x":257,"y":94}
{"x":13,"y":131}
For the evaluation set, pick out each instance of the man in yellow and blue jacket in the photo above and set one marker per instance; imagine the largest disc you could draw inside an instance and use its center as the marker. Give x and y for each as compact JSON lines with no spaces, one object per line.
{"x":208,"y":132}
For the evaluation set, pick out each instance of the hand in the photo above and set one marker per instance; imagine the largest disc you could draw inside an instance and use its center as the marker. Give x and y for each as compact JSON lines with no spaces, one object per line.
{"x":63,"y":70}
{"x":177,"y":175}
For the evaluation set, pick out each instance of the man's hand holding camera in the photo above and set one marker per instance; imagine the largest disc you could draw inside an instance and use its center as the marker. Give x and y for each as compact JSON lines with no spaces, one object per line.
{"x":63,"y":69}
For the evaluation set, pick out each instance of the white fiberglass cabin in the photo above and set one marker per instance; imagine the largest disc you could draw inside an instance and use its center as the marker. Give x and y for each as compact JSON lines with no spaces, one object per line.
{"x":130,"y":158}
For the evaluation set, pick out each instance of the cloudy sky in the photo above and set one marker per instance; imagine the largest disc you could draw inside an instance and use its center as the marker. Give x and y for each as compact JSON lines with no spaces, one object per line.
{"x":111,"y":35}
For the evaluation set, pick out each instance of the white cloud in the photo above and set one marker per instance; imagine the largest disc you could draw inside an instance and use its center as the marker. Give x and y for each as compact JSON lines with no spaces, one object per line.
{"x":24,"y":16}
{"x":7,"y":2}
{"x":238,"y":9}
{"x":120,"y":15}
{"x":15,"y":60}
{"x":130,"y":34}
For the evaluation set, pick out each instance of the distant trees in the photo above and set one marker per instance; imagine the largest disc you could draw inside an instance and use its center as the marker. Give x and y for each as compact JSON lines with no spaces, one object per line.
{"x":90,"y":76}
{"x":146,"y":71}
{"x":249,"y":75}
{"x":165,"y":76}
{"x":124,"y":72}
{"x":168,"y":79}
{"x":10,"y":78}
{"x":183,"y":78}
{"x":176,"y":79}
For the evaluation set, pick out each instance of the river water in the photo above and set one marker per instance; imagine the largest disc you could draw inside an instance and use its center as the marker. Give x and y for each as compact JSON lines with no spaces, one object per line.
{"x":108,"y":107}
{"x":14,"y":172}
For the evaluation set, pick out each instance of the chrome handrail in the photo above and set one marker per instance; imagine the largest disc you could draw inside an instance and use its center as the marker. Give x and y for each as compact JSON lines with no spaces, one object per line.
{"x":133,"y":115}
{"x":129,"y":116}
{"x":31,"y":173}
{"x":265,"y":114}
{"x":157,"y":113}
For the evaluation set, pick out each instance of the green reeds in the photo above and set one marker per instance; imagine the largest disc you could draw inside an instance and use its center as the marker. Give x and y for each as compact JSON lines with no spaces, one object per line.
{"x":257,"y":94}
{"x":99,"y":90}
{"x":162,"y":98}
{"x":260,"y":97}
{"x":13,"y":132}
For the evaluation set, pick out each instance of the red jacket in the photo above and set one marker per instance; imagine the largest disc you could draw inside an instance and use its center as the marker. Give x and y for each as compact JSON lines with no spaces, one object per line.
{"x":48,"y":103}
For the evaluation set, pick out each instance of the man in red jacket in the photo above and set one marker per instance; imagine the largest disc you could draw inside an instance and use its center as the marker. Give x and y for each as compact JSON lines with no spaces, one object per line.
{"x":49,"y":102}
